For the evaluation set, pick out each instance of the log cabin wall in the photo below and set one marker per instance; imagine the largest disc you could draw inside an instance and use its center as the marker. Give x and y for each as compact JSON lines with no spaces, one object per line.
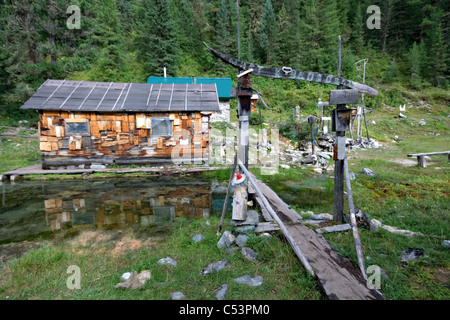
{"x":86,"y":138}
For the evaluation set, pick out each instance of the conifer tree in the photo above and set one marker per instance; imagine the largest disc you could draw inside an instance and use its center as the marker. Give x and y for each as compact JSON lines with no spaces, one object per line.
{"x":156,"y":39}
{"x":414,"y":58}
{"x":269,"y":32}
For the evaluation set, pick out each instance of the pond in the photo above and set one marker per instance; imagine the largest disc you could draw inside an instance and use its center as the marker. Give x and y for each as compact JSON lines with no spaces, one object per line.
{"x":31,"y":208}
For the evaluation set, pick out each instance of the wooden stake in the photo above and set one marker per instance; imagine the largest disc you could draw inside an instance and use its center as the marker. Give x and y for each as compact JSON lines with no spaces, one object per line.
{"x":225,"y":203}
{"x":353,"y":221}
{"x":283,"y":228}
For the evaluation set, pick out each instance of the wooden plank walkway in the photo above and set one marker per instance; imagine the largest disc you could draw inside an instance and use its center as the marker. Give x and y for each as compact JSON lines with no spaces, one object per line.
{"x":37,"y":170}
{"x":337,"y":276}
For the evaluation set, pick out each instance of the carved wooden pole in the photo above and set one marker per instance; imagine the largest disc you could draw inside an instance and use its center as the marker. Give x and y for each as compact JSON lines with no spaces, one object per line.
{"x":338,"y":164}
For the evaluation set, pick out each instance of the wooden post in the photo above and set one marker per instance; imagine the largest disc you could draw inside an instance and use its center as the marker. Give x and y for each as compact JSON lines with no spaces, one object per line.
{"x":338,"y":164}
{"x":356,"y":238}
{"x":240,"y":199}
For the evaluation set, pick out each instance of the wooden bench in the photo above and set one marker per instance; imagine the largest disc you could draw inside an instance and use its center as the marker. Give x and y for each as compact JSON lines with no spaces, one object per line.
{"x":421,"y":161}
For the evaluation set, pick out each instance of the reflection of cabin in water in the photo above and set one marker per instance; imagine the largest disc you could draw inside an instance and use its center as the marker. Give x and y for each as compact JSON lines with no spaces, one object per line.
{"x":148,"y":206}
{"x":84,"y":123}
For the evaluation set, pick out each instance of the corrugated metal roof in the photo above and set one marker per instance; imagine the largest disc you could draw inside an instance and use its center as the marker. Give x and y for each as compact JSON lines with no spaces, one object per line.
{"x":223,"y":84}
{"x":90,"y":96}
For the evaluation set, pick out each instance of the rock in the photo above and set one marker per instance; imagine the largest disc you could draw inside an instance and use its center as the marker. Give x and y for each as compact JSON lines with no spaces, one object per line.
{"x":221,"y":292}
{"x":226,"y":240}
{"x":215,"y":266}
{"x":249,"y":253}
{"x":198,"y":237}
{"x":368,"y":172}
{"x":265,"y":235}
{"x":372,"y":122}
{"x":245,"y":229}
{"x":135,"y":281}
{"x":177,"y":296}
{"x":340,"y":227}
{"x":167,"y":262}
{"x":321,"y":216}
{"x":248,"y":280}
{"x":284,"y":166}
{"x":446,"y":243}
{"x":422,"y":123}
{"x":412,"y":254}
{"x":126,"y":276}
{"x":324,"y":155}
{"x":241,"y":240}
{"x":318,"y":170}
{"x":309,"y":160}
{"x":401,"y":115}
{"x":252,"y":219}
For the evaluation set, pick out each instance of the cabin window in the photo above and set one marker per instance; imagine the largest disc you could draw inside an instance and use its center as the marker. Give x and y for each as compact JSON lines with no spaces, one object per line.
{"x":161,"y":127}
{"x":77,"y":126}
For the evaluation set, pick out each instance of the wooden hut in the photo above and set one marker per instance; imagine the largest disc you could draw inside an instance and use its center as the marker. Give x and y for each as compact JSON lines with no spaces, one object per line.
{"x":101,"y":123}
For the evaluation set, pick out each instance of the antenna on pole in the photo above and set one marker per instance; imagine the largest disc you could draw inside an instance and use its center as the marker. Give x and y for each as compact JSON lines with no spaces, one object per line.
{"x":238,"y":30}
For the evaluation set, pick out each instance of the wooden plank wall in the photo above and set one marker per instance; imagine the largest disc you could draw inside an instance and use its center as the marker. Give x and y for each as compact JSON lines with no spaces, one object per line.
{"x":123,"y":135}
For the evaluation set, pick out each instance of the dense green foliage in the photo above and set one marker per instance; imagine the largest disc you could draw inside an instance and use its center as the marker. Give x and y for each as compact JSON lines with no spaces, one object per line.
{"x":127,"y":41}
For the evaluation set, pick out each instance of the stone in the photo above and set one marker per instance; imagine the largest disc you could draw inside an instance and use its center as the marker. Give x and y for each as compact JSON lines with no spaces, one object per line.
{"x":248,"y":280}
{"x":221,"y":292}
{"x":401,"y":115}
{"x":167,"y":262}
{"x":252,"y":219}
{"x":226,"y":240}
{"x":241,"y":240}
{"x":245,"y":229}
{"x":412,"y":254}
{"x":368,"y":172}
{"x":324,"y":155}
{"x":422,"y":123}
{"x":285,"y":166}
{"x":126,"y":276}
{"x":340,"y":227}
{"x":177,"y":296}
{"x":135,"y":281}
{"x":446,"y":243}
{"x":198,"y":237}
{"x":249,"y":253}
{"x":309,"y":160}
{"x":321,"y":216}
{"x":215,"y":267}
{"x":265,"y":235}
{"x":372,"y":122}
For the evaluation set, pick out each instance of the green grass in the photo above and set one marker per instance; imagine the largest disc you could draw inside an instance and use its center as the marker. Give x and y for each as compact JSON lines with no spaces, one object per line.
{"x":41,"y":274}
{"x":18,"y":152}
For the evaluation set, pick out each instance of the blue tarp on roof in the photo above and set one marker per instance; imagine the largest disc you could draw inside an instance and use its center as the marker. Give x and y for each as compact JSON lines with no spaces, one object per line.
{"x":223,"y":84}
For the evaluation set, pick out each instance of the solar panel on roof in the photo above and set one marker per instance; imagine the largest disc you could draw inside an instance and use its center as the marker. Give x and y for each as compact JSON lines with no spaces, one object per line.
{"x":116,"y":97}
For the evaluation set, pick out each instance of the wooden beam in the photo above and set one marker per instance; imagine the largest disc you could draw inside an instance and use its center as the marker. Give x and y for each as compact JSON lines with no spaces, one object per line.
{"x":283,"y":228}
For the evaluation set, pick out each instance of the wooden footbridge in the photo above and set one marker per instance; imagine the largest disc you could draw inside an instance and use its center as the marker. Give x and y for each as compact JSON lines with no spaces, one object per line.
{"x":337,"y":276}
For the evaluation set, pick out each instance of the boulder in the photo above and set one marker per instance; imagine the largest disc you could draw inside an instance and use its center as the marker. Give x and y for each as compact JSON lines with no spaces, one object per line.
{"x":241,"y":240}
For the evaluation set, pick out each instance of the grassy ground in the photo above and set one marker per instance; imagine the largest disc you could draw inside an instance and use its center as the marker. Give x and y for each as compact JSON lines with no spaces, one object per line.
{"x":104,"y":256}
